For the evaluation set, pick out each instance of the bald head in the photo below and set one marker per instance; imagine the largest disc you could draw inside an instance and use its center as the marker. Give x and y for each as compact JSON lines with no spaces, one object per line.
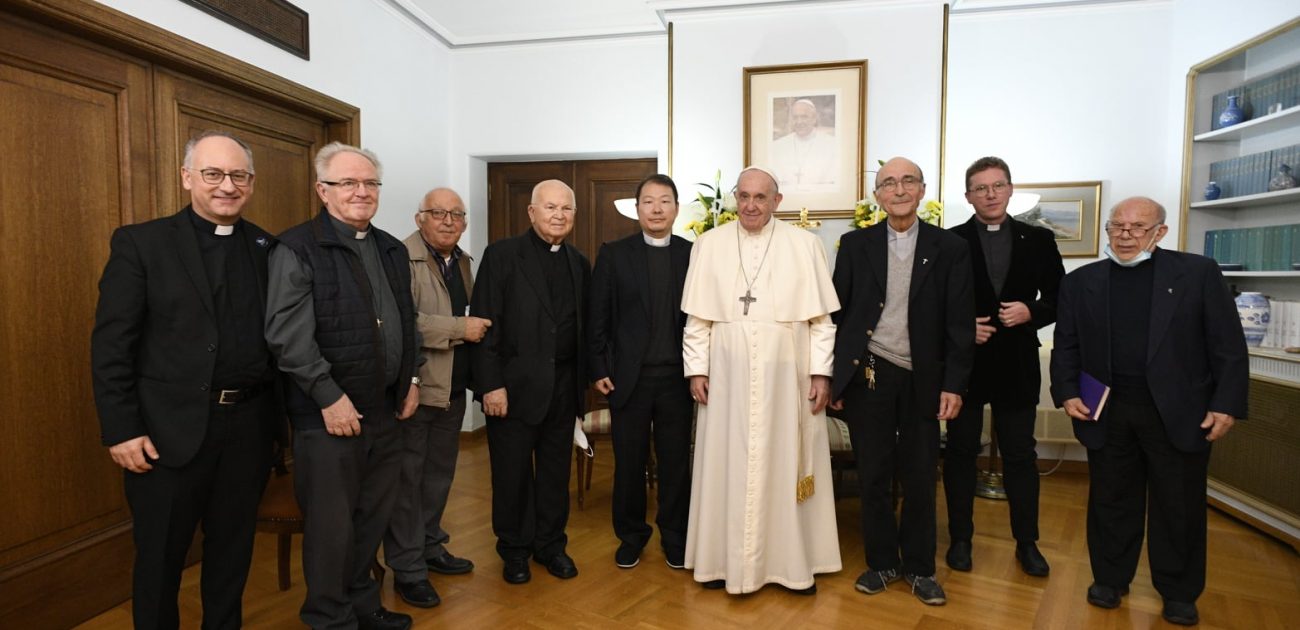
{"x":441,"y":219}
{"x":1142,"y":215}
{"x":551,"y":211}
{"x":897,"y":167}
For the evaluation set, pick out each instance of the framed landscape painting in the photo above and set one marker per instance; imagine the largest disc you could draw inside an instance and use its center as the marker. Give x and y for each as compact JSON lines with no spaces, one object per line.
{"x":1072,"y":211}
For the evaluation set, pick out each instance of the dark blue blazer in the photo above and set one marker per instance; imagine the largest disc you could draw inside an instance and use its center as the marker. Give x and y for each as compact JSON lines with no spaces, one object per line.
{"x":1196,"y":352}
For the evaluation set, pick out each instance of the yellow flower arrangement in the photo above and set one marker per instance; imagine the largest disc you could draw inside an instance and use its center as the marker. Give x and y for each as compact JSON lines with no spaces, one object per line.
{"x":714,"y":207}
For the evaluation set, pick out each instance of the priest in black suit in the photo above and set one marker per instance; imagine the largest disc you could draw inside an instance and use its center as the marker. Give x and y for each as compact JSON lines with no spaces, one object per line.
{"x":635,"y":341}
{"x":529,"y":373}
{"x":1160,"y":329}
{"x":182,"y":381}
{"x":903,"y":350}
{"x":1017,"y":270}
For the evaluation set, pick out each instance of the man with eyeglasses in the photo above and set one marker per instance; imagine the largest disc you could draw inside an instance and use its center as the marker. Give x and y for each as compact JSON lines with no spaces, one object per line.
{"x":341,"y":324}
{"x":529,"y":374}
{"x":184,"y":384}
{"x":903,"y":353}
{"x":441,"y":285}
{"x":1016,"y":269}
{"x":1159,"y":329}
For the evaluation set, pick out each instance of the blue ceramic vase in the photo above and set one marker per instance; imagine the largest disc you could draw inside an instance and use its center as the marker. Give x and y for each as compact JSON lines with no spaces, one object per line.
{"x":1212,"y":191}
{"x":1253,"y":309}
{"x":1231,"y":114}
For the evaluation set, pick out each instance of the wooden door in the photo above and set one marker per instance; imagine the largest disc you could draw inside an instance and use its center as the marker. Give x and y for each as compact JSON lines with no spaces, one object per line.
{"x":283,"y":143}
{"x":95,"y":110}
{"x":596,"y":184}
{"x":72,"y":119}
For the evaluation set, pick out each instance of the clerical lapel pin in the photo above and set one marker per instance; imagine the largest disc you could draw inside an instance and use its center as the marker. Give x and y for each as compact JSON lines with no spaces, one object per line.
{"x":262,"y":241}
{"x":1171,"y":290}
{"x":925,"y":260}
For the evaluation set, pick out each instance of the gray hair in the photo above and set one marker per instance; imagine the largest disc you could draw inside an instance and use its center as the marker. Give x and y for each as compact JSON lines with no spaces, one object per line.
{"x":188,"y":161}
{"x":1161,"y":215}
{"x":331,"y":150}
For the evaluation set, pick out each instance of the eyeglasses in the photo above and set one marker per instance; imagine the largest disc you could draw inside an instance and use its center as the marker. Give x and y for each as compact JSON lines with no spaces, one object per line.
{"x":214,"y":176}
{"x":350,"y":185}
{"x":908,"y":182}
{"x":997,"y":187}
{"x":438,"y":214}
{"x":1136,"y":231}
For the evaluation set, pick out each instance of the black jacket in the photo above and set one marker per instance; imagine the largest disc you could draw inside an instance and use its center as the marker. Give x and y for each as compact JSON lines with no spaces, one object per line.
{"x":1006,"y":366}
{"x":153,"y":349}
{"x":940,"y":309}
{"x":1196,"y":351}
{"x":518,"y":351}
{"x":618,"y":323}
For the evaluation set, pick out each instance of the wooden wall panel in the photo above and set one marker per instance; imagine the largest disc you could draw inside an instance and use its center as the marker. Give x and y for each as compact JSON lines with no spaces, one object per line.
{"x":97,"y":107}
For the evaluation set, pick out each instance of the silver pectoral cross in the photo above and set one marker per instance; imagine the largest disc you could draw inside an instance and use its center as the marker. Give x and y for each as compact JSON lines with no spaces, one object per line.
{"x":747,"y":299}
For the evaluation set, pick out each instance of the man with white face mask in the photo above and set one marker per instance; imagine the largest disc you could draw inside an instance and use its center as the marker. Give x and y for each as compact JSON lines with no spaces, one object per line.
{"x":1159,"y":328}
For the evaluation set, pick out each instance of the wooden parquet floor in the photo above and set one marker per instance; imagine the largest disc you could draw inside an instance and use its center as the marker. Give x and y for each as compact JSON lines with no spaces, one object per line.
{"x":1254,"y":581}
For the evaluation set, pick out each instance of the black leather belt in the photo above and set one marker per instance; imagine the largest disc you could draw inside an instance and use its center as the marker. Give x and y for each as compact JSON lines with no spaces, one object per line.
{"x":236,"y":396}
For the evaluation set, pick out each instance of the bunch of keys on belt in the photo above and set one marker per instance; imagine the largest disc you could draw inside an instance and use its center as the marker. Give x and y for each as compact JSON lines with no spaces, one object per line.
{"x":871,"y":371}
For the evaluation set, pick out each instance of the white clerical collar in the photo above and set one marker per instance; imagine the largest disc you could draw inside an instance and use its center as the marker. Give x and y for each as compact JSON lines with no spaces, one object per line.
{"x":908,"y":233}
{"x":657,"y":242}
{"x":994,"y":227}
{"x":224,"y":230}
{"x":360,"y":235}
{"x":555,"y":248}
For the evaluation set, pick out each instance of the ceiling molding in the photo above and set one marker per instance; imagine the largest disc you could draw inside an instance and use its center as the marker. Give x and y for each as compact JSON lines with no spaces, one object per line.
{"x":969,"y":7}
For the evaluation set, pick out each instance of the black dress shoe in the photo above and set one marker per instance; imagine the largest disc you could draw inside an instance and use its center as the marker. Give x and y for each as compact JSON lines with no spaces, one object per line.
{"x":627,"y":556}
{"x":383,"y":619}
{"x":516,"y":571}
{"x":1103,"y":596}
{"x":959,"y":555}
{"x":1181,"y":613}
{"x":419,"y":593}
{"x":448,"y":564}
{"x":714,"y":585}
{"x":1031,"y":560}
{"x":561,"y":566}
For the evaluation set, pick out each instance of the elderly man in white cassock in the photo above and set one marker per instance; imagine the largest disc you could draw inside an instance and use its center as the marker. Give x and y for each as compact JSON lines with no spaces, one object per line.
{"x":758,"y":351}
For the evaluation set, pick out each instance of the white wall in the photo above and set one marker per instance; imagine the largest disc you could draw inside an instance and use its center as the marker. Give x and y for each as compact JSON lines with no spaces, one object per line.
{"x":604,"y":98}
{"x":901,"y":42}
{"x":1063,"y":95}
{"x":364,"y":54}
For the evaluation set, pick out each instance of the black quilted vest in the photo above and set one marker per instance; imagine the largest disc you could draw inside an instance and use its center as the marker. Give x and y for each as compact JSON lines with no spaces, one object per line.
{"x":346,"y":332}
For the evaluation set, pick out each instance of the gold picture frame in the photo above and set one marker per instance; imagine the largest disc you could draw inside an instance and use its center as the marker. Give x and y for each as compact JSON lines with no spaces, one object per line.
{"x":1071,"y":210}
{"x":807,"y":123}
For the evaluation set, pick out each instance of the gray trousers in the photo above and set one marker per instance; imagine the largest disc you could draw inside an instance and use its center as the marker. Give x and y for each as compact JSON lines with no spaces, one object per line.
{"x":345,"y":487}
{"x":430,"y":445}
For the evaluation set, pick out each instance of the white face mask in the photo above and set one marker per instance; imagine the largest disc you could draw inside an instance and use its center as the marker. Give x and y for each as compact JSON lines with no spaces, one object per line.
{"x":1142,"y":256}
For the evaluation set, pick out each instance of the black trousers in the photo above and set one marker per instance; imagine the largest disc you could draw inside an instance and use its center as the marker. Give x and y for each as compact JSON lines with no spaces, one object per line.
{"x":219,"y":488}
{"x":661,"y":404}
{"x":530,"y":475}
{"x":1014,"y":425}
{"x":1139,"y":466}
{"x":430,"y":447}
{"x":346,"y":487}
{"x":886,"y":430}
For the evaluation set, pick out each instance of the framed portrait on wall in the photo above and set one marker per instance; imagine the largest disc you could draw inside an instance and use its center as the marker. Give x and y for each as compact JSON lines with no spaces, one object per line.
{"x":807,"y":124}
{"x":1071,"y":210}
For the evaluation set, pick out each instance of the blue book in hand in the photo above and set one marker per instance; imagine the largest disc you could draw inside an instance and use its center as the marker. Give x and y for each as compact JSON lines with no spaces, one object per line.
{"x":1093,"y":393}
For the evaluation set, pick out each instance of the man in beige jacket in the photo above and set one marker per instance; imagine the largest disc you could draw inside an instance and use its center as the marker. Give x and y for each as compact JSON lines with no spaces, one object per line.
{"x":441,"y":285}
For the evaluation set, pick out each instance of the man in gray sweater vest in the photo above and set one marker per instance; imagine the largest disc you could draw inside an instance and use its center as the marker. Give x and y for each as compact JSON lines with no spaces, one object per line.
{"x":903,"y":351}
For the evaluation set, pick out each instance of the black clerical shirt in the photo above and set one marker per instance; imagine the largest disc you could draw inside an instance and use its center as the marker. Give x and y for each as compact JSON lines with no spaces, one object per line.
{"x":559,"y":280}
{"x":242,"y":358}
{"x":1130,"y":324}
